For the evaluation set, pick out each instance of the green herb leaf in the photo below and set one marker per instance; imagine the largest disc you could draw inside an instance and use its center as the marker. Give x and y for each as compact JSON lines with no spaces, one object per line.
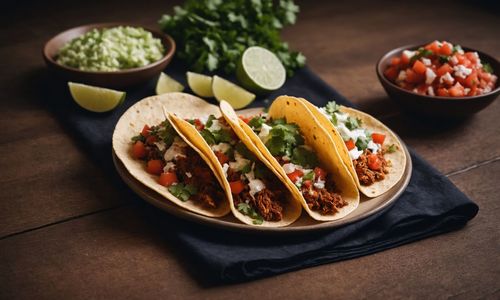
{"x":256,"y":122}
{"x":421,"y":52}
{"x":247,"y":210}
{"x":443,"y":59}
{"x":391,"y":149}
{"x":456,"y":48}
{"x":308,"y":176}
{"x":488,"y":68}
{"x":212,"y":34}
{"x":362,"y":143}
{"x":139,"y":137}
{"x":183,"y":191}
{"x":208,"y":136}
{"x":303,"y":157}
{"x":222,"y":136}
{"x":353,"y":123}
{"x":332,"y":107}
{"x":210,"y":121}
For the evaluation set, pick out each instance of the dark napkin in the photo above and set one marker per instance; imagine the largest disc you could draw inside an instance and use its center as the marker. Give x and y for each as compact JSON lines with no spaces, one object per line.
{"x":430,"y":205}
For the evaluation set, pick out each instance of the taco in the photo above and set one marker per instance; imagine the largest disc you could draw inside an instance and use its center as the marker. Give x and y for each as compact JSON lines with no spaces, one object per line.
{"x":156,"y":155}
{"x":303,"y":155}
{"x":258,"y":196}
{"x":371,"y":151}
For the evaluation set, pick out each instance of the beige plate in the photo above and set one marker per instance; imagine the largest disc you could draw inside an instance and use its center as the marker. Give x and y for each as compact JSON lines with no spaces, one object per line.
{"x":367,"y":206}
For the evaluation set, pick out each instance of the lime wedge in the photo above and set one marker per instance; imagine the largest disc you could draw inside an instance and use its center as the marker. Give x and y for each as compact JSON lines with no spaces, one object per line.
{"x":200,"y":84}
{"x":260,"y":70}
{"x":94,"y":98}
{"x":235,"y":95}
{"x":167,"y":84}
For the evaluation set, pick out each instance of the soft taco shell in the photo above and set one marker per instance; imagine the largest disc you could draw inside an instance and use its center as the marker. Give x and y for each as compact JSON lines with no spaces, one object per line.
{"x":150,"y":111}
{"x":294,"y":111}
{"x":397,"y":158}
{"x":292,"y":207}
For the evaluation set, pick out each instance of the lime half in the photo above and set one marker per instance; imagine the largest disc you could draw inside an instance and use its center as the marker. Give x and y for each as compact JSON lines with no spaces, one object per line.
{"x":260,"y":70}
{"x":200,"y":84}
{"x":167,"y":84}
{"x":235,"y":95}
{"x":94,"y":98}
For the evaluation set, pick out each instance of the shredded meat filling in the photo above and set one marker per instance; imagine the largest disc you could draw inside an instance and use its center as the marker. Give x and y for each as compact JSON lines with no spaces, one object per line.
{"x":266,"y":203}
{"x":324,"y":200}
{"x":209,"y":194}
{"x":369,"y":176}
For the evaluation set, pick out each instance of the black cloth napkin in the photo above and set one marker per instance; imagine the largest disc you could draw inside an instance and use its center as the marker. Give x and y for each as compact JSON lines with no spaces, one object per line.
{"x":430,"y":205}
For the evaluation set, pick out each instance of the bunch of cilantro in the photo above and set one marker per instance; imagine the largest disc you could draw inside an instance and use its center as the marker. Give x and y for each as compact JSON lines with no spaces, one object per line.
{"x":211,"y":35}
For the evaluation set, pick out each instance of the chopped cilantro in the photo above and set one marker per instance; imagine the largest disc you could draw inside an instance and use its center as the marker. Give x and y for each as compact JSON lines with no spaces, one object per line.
{"x":421,"y":52}
{"x":222,"y":136}
{"x":283,"y":138}
{"x":443,"y":59}
{"x":303,"y":157}
{"x":243,"y":150}
{"x":139,"y":137}
{"x":247,"y":168}
{"x":208,"y":136}
{"x":353,"y":123}
{"x":210,"y":120}
{"x":332,"y":107}
{"x":260,"y":171}
{"x":211,"y":35}
{"x":309,"y":176}
{"x":256,"y":122}
{"x":487,"y":68}
{"x":247,"y":210}
{"x":334,"y":120}
{"x":362,"y":143}
{"x":166,"y":133}
{"x":183,"y":191}
{"x":391,"y":149}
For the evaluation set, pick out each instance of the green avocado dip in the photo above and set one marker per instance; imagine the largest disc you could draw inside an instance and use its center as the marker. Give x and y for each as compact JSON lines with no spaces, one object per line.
{"x":111,"y":49}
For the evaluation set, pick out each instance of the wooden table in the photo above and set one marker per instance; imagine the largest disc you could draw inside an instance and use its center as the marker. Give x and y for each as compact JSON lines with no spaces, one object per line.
{"x":67,"y":232}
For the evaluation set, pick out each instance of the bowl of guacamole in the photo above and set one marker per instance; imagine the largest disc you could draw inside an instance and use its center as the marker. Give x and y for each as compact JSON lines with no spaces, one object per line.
{"x":111,"y":55}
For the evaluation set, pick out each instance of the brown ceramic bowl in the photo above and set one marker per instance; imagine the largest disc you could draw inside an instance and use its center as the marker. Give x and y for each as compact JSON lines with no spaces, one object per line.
{"x":113,"y":79}
{"x":451,"y":107}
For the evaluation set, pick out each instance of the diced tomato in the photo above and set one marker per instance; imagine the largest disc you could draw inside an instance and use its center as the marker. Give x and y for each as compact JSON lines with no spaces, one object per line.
{"x":457,"y":90}
{"x":395,"y":61}
{"x":405,"y":59}
{"x":473,"y":90}
{"x":391,"y":73}
{"x":295,"y":175}
{"x":413,"y":77}
{"x":442,"y":92}
{"x":244,"y":119}
{"x":236,"y":187}
{"x":446,"y":49}
{"x":145,"y":131}
{"x":319,"y":173}
{"x":445,"y":68}
{"x":471,"y":80}
{"x":434,"y":47}
{"x":378,"y":138}
{"x":168,"y":178}
{"x":419,"y":67}
{"x":471,"y":56}
{"x":221,"y":157}
{"x":350,"y":144}
{"x":374,"y":162}
{"x":155,"y":167}
{"x":150,"y":140}
{"x":199,"y":126}
{"x":307,"y":183}
{"x":139,"y":150}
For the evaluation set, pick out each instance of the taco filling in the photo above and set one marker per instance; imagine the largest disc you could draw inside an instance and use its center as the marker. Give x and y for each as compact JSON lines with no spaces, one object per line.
{"x":257,"y":192}
{"x":286,"y":143}
{"x":366,"y":149}
{"x":179,"y":168}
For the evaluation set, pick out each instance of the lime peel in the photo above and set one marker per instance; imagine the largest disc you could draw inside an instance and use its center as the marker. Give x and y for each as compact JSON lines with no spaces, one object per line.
{"x":235,"y":95}
{"x":96,"y":99}
{"x":167,"y":84}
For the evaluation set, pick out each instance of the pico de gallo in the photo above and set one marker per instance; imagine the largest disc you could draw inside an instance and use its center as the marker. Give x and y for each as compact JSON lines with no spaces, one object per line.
{"x":366,"y":149}
{"x":286,"y":143}
{"x":441,"y":69}
{"x":257,"y":192}
{"x":179,"y":168}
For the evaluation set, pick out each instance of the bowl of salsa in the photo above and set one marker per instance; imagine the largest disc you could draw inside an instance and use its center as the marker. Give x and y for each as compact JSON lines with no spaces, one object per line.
{"x":114,"y":55}
{"x":439,"y":78}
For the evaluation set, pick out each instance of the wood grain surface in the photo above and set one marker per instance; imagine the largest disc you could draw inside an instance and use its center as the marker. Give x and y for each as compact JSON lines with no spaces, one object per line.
{"x":67,"y":232}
